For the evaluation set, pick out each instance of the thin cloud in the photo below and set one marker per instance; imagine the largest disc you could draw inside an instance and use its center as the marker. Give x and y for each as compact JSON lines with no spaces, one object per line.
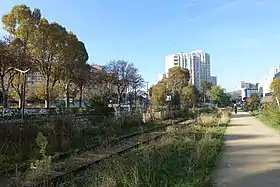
{"x":194,"y":20}
{"x":191,"y":3}
{"x":260,"y":2}
{"x":226,"y":6}
{"x":222,"y":8}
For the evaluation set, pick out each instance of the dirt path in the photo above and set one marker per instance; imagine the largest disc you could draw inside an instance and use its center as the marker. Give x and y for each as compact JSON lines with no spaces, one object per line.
{"x":251,"y":157}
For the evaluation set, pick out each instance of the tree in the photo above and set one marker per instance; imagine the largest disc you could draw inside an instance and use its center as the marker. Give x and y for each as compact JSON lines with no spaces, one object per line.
{"x":72,"y":56}
{"x":39,"y":92}
{"x":83,"y":79}
{"x":216,"y":94}
{"x":98,"y":102}
{"x":205,"y":87}
{"x":47,"y":42}
{"x":20,"y":24}
{"x":177,"y":79}
{"x":7,"y":61}
{"x":275,"y":90}
{"x":158,"y":96}
{"x":122,"y":75}
{"x":24,"y":62}
{"x":189,"y":94}
{"x":253,"y":101}
{"x":41,"y":40}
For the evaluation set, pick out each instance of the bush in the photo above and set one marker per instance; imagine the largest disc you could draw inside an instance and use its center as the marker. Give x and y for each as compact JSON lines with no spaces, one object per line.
{"x":98,"y":104}
{"x":207,"y":120}
{"x":270,"y":114}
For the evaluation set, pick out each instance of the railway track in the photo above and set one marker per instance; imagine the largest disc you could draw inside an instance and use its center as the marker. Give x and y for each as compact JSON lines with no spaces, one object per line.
{"x":60,"y":171}
{"x":67,"y":154}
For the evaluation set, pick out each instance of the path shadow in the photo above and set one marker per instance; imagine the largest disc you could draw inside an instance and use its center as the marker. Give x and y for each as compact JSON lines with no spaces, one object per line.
{"x":240,"y":115}
{"x":229,"y":137}
{"x":238,"y":125}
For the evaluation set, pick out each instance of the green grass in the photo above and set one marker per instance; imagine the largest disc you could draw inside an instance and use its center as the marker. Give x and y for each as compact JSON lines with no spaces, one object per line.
{"x":185,"y":157}
{"x":102,"y":133}
{"x":270,"y":115}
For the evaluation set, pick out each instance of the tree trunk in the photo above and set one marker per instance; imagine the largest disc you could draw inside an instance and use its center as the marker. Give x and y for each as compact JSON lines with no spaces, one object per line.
{"x":135,"y":98}
{"x":81,"y":96}
{"x":119,"y":101}
{"x":67,"y":104}
{"x":4,"y":94}
{"x":277,"y":100}
{"x":47,"y":102}
{"x":20,"y":94}
{"x":20,"y":101}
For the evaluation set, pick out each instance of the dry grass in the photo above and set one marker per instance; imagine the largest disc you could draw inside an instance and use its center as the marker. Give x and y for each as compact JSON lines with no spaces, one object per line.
{"x":206,"y":119}
{"x":184,"y":157}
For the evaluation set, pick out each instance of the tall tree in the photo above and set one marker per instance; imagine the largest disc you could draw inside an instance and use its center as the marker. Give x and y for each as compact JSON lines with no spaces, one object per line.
{"x":123,"y":74}
{"x":189,"y":94}
{"x":46,"y":45}
{"x":177,"y":79}
{"x":275,"y":90}
{"x":218,"y":96}
{"x":158,"y":94}
{"x":73,"y":56}
{"x":24,"y":62}
{"x":205,"y":88}
{"x":7,"y":61}
{"x":82,"y":80}
{"x":253,"y":101}
{"x":20,"y":23}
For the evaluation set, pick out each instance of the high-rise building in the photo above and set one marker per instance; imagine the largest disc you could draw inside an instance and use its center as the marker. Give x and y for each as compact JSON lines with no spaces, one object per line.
{"x":197,"y":62}
{"x":204,"y":64}
{"x":213,"y":80}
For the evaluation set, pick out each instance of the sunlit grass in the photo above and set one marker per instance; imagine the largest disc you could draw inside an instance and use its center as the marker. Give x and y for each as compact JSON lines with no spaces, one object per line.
{"x":184,"y":157}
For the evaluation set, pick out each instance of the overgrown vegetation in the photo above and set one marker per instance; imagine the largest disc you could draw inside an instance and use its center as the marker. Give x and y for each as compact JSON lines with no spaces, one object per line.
{"x":64,"y":133}
{"x":270,"y":115}
{"x":185,"y":157}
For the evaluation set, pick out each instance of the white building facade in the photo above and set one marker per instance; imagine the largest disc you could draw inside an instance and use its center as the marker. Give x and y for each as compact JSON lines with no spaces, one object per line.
{"x":197,"y":62}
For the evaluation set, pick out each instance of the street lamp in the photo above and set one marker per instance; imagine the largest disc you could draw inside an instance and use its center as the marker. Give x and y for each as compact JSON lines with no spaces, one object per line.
{"x":23,"y":72}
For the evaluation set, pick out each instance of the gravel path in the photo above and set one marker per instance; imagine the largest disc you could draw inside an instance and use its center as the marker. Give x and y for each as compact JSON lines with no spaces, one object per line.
{"x":251,"y":156}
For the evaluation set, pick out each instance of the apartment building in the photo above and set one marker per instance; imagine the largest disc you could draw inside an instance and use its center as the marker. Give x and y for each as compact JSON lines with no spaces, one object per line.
{"x":197,"y":62}
{"x":213,"y":80}
{"x":34,"y":77}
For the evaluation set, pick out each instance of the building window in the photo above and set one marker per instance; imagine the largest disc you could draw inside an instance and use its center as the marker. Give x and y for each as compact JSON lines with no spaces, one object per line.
{"x":176,"y":63}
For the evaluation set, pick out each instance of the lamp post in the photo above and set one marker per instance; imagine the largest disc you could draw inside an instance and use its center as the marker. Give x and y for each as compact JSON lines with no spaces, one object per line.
{"x":23,"y":72}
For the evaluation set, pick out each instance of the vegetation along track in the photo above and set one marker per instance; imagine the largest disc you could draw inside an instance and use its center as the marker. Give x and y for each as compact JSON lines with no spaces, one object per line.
{"x":68,"y":154}
{"x":78,"y":161}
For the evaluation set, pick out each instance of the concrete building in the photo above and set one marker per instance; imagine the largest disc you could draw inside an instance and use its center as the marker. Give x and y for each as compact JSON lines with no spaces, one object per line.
{"x":185,"y":60}
{"x":213,"y":80}
{"x":197,"y":62}
{"x":205,"y":69}
{"x":34,"y":77}
{"x":267,"y":80}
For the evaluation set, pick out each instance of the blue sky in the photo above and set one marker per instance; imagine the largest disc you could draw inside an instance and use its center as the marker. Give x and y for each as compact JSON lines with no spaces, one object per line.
{"x":242,"y":36}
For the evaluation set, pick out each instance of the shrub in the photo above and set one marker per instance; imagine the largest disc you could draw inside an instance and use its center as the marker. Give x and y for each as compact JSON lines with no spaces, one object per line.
{"x":270,"y":114}
{"x":207,"y":120}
